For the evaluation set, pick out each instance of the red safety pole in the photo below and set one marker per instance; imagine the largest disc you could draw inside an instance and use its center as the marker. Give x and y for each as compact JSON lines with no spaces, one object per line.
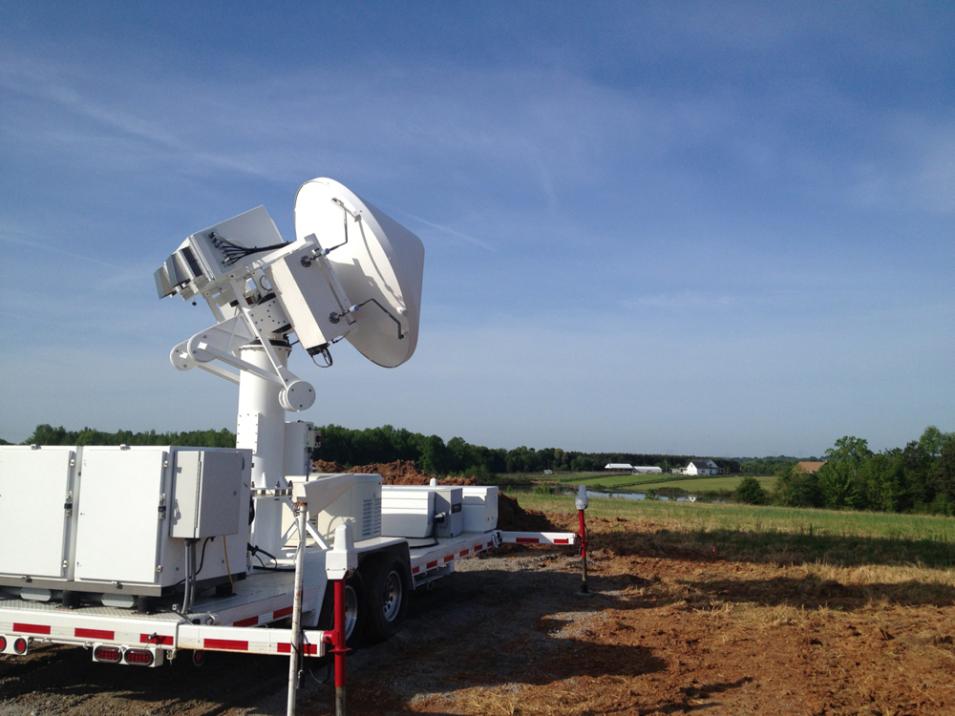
{"x":582,"y":534}
{"x":339,"y":648}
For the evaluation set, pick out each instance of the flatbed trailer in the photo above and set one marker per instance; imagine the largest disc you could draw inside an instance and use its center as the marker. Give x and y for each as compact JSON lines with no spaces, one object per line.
{"x":244,"y":622}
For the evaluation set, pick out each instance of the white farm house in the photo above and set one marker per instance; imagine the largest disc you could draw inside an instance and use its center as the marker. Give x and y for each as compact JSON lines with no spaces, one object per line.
{"x":701,"y":467}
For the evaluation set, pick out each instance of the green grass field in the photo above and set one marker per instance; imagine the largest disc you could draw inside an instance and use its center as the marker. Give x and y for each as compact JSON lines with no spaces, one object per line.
{"x":709,"y":516}
{"x":637,"y":483}
{"x":769,"y":533}
{"x":708,"y":484}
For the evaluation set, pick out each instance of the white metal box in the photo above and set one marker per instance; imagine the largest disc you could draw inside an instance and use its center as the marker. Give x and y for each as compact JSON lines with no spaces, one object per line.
{"x":301,"y":438}
{"x":206,"y":494}
{"x":403,"y":511}
{"x":309,"y":291}
{"x":124,"y":542}
{"x":480,"y":508}
{"x":37,"y":516}
{"x":407,"y":513}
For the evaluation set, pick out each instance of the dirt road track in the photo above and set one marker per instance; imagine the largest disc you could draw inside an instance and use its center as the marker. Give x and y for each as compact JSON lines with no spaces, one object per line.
{"x":663,"y":634}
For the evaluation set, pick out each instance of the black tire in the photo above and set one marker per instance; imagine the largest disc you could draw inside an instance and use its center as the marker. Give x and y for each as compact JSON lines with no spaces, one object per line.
{"x":386,"y":598}
{"x":354,"y":603}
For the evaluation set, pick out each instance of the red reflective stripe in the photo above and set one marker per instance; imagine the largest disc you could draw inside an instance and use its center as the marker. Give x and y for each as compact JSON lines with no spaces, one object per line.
{"x":227,"y":644}
{"x":285,"y":647}
{"x":449,"y":558}
{"x":478,"y":547}
{"x":463,"y":552}
{"x":156,"y":639}
{"x":561,"y":540}
{"x":527,"y":540}
{"x":283,"y":612}
{"x":249,"y":621}
{"x":415,"y":570}
{"x":431,"y":565}
{"x":94,"y":633}
{"x":31,"y":628}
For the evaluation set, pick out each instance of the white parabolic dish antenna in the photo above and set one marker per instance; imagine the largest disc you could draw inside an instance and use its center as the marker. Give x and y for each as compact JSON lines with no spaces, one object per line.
{"x":378,"y":262}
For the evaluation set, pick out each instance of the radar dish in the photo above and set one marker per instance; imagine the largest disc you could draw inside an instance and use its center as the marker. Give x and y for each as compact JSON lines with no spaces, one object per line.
{"x":378,"y":262}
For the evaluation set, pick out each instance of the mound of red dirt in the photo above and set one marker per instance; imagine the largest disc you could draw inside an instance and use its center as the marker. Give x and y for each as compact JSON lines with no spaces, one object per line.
{"x":512,"y":517}
{"x":397,"y":472}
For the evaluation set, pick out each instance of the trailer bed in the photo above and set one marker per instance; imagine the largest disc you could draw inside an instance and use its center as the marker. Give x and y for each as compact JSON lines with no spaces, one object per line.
{"x":232,"y":623}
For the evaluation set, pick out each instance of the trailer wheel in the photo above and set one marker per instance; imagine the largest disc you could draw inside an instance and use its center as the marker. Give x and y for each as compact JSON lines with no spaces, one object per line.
{"x":354,"y":609}
{"x":387,"y":598}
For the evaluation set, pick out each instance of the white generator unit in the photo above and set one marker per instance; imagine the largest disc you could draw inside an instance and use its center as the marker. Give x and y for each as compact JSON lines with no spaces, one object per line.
{"x":359,"y":506}
{"x":120,"y":520}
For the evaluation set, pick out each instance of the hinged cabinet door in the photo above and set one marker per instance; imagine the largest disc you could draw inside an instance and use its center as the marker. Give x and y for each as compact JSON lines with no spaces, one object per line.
{"x":122,"y":512}
{"x":35,"y":491}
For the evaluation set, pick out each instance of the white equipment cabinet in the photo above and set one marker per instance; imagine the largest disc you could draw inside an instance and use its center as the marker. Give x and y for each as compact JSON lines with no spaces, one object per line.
{"x":480,"y":508}
{"x":36,"y":514}
{"x":422,"y":511}
{"x":407,"y":513}
{"x":138,"y":505}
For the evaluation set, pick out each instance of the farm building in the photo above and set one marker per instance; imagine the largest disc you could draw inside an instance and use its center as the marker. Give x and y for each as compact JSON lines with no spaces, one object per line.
{"x":700,"y":467}
{"x":635,"y":469}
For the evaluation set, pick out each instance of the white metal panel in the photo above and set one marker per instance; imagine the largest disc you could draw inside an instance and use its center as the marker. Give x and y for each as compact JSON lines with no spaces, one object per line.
{"x":119,"y":520}
{"x":34,"y":485}
{"x":206,"y":493}
{"x":480,"y":508}
{"x":406,"y":512}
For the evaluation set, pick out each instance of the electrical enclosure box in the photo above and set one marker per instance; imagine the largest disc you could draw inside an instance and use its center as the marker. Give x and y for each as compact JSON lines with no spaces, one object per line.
{"x":37,"y":514}
{"x":301,"y":438}
{"x":448,"y":500}
{"x":480,"y":508}
{"x":206,"y":494}
{"x":309,"y":291}
{"x":129,"y":505}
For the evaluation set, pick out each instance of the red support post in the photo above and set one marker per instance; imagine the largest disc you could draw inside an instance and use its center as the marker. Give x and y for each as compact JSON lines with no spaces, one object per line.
{"x":582,"y":533}
{"x":339,"y":648}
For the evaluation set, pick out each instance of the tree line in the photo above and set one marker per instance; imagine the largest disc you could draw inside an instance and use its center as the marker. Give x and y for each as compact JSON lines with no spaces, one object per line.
{"x":350,"y":447}
{"x":917,"y":478}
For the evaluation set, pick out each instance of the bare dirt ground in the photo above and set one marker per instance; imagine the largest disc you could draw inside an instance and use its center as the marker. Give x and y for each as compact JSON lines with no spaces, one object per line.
{"x":664,"y":632}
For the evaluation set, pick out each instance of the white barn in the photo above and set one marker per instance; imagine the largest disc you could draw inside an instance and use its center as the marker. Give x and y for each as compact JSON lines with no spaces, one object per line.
{"x":618,"y":466}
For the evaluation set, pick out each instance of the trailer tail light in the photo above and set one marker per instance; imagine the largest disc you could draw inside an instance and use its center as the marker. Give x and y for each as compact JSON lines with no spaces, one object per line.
{"x":107,"y":654}
{"x":3,"y":644}
{"x":20,"y":645}
{"x":139,"y":657}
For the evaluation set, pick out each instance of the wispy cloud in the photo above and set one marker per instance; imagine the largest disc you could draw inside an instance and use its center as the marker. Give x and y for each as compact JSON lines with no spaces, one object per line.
{"x":473,"y":240}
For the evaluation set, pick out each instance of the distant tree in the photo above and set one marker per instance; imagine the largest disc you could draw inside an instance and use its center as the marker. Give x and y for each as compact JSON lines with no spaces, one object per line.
{"x":943,"y":475}
{"x":798,"y":489}
{"x":841,"y":479}
{"x":751,"y":492}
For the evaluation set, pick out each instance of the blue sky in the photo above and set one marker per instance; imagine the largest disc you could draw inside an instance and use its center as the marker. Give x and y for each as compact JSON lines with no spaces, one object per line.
{"x":666,"y":227}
